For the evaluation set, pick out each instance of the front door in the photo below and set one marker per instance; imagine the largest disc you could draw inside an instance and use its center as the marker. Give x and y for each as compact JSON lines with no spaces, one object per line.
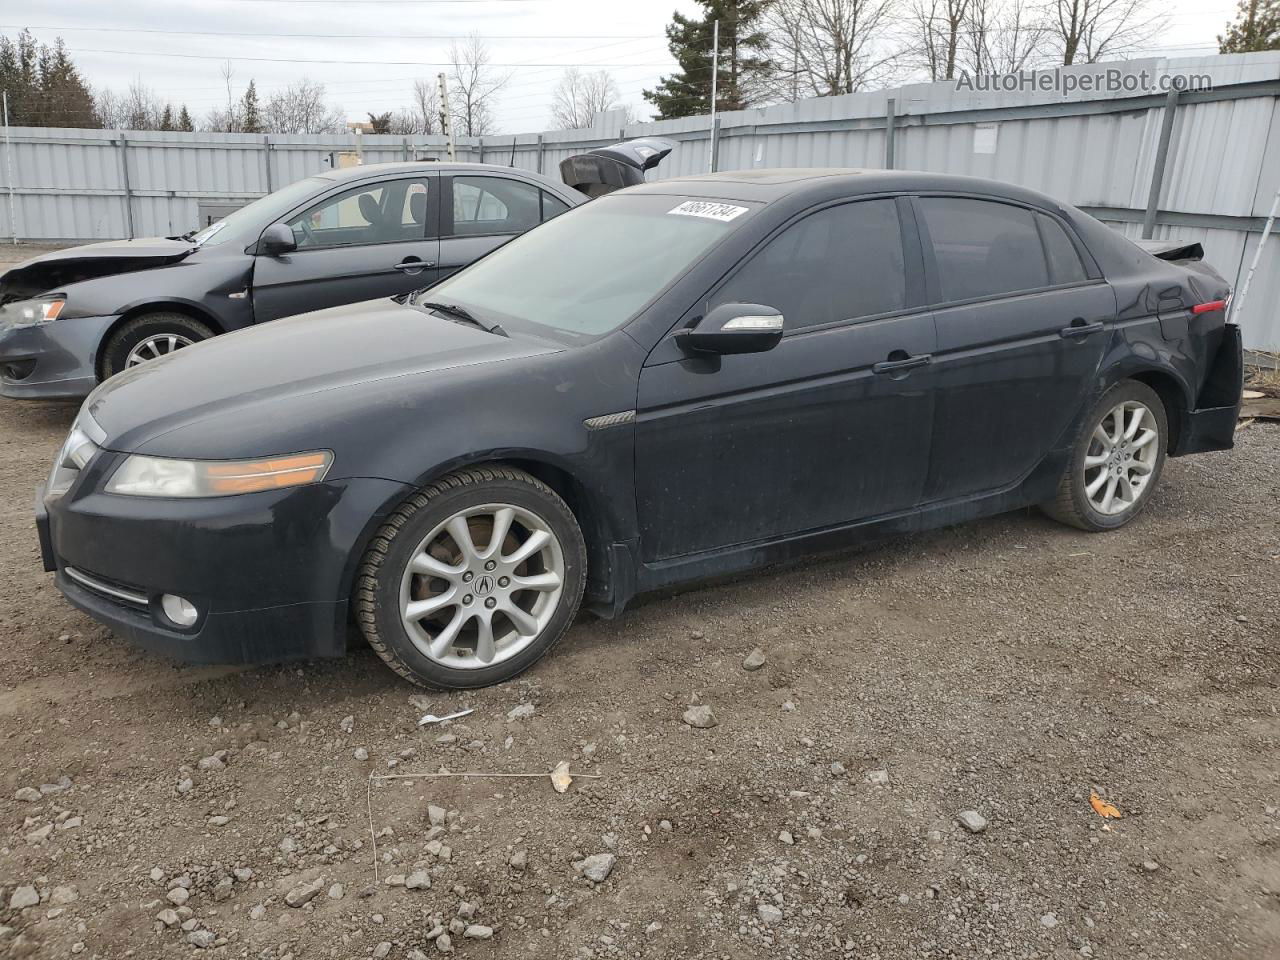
{"x":1022,"y":325}
{"x":829,"y":427}
{"x":376,"y":239}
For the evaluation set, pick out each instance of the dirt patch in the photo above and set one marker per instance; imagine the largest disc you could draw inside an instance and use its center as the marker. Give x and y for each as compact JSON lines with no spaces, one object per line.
{"x":1007,"y":667}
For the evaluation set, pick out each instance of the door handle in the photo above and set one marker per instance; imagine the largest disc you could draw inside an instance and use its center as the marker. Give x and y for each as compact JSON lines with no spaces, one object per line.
{"x":1079,"y":328}
{"x":414,"y":266}
{"x":899,"y":361}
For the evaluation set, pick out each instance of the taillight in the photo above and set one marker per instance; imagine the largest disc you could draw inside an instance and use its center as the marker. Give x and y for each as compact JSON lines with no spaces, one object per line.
{"x":1209,"y":307}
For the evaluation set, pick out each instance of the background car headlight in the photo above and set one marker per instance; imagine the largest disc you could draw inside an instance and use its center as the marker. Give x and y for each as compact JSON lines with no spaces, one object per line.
{"x":141,"y":476}
{"x":77,"y":450}
{"x":34,"y":311}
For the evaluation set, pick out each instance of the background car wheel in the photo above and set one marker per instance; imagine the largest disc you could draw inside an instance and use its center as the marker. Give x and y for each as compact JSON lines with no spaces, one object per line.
{"x":1116,"y":462}
{"x":148,"y":337}
{"x":472,"y":580}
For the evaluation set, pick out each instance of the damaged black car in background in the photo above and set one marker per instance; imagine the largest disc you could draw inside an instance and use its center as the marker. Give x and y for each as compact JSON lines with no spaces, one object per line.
{"x":72,"y":318}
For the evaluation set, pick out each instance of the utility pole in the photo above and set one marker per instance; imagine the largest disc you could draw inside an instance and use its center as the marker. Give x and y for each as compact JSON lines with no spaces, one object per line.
{"x":8,"y":156}
{"x":446,"y":122}
{"x":715,"y":75}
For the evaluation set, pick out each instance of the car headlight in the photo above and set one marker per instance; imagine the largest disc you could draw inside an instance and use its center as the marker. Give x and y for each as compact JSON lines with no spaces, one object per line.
{"x":34,"y":311}
{"x":77,"y":450}
{"x":141,"y":476}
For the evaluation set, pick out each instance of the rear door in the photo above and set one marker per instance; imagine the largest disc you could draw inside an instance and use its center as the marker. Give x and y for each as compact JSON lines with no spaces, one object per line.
{"x":375,"y":239}
{"x":1023,"y":317}
{"x":482,"y":212}
{"x":830,"y":426}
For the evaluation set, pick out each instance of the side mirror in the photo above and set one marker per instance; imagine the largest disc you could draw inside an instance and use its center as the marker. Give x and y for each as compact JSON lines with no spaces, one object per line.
{"x":276,"y":240}
{"x":734,"y":328}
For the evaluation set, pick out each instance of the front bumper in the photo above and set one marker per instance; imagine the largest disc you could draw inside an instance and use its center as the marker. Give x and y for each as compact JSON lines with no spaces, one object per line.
{"x":270,"y":573}
{"x":51,"y":361}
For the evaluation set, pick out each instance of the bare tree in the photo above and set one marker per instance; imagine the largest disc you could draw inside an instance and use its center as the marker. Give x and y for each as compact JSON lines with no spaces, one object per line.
{"x":1086,"y":31}
{"x":229,"y":118}
{"x":1004,"y":36}
{"x":422,"y":116}
{"x":301,"y":108}
{"x":827,"y":47}
{"x":937,"y":28}
{"x":580,"y":96}
{"x":473,"y":87}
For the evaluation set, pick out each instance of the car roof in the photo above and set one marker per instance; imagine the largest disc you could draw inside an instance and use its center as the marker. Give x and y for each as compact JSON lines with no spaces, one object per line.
{"x":366,"y":170}
{"x":768,"y":185}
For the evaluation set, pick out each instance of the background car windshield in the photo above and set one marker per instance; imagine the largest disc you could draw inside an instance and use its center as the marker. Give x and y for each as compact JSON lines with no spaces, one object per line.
{"x":592,"y":269}
{"x":247,"y":223}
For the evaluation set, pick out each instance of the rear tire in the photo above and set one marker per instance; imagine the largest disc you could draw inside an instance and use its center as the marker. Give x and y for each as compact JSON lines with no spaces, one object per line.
{"x":1116,"y":462}
{"x":148,"y":337}
{"x":472,"y":580}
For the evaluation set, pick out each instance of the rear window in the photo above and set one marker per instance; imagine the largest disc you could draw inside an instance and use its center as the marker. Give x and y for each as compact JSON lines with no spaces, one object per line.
{"x":983,"y":248}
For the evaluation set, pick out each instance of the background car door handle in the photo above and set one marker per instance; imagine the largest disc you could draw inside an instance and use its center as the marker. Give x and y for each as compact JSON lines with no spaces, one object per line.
{"x":898,"y":361}
{"x":1079,"y":328}
{"x":410,"y":265}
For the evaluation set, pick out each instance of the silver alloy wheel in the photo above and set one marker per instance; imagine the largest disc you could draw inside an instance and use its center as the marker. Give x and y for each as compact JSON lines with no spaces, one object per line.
{"x":156,"y":346}
{"x":482,"y":586}
{"x":1122,"y":455}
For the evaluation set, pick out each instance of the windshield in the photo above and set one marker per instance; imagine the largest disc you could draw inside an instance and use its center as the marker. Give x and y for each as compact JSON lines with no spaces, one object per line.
{"x":589,"y":271}
{"x":247,"y":223}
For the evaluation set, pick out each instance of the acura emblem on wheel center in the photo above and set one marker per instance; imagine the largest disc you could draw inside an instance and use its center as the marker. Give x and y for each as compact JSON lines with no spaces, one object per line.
{"x":484,"y":586}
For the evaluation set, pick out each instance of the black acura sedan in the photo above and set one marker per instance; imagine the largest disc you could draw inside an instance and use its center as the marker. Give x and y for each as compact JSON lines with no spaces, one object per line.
{"x":682,"y":379}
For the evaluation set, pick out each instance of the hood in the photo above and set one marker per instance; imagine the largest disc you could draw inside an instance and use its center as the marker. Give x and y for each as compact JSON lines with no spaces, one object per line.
{"x":58,"y":268}
{"x":296,"y":367}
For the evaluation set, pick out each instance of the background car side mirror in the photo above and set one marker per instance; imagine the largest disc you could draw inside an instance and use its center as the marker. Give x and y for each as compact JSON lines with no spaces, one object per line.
{"x":734,"y":328}
{"x":277,"y":239}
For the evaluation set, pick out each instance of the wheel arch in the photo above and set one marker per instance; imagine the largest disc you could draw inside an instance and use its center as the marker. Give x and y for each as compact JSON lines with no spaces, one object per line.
{"x":1173,"y":395}
{"x":185,"y":307}
{"x":597,"y":530}
{"x":1174,"y":392}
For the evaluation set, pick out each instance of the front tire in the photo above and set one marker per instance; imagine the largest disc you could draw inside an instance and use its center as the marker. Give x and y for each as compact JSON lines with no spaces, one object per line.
{"x":1116,"y":462}
{"x":148,"y":337}
{"x":472,"y":580}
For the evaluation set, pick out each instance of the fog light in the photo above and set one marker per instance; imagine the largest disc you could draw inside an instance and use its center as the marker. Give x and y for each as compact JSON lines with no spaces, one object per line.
{"x":180,"y":610}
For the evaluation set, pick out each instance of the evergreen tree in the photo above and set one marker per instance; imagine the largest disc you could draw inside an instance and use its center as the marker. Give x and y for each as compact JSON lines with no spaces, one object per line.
{"x":743,"y":66}
{"x":166,"y":118}
{"x":251,"y":116}
{"x":184,"y":120}
{"x":1257,"y":28}
{"x":380,"y":122}
{"x":45,"y":88}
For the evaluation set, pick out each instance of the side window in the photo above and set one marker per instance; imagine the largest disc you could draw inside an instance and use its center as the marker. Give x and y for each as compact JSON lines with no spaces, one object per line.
{"x":484,"y":205}
{"x":983,"y":248}
{"x":837,"y":264}
{"x":413,"y":213}
{"x":1064,"y":262}
{"x":384,"y":212}
{"x":552,"y":206}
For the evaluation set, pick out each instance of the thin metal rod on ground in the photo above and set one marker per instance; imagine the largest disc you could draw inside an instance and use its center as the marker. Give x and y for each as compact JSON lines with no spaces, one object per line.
{"x":373,"y":837}
{"x":420,"y":776}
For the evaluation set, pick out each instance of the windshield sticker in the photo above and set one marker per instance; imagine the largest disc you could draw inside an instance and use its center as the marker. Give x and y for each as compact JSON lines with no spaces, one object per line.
{"x":712,"y":211}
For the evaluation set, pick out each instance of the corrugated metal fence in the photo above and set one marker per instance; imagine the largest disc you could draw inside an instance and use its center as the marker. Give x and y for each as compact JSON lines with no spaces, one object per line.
{"x":1098,"y":148}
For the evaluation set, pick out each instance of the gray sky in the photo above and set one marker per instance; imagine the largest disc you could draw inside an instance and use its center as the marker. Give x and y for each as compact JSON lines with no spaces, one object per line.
{"x":403,"y":40}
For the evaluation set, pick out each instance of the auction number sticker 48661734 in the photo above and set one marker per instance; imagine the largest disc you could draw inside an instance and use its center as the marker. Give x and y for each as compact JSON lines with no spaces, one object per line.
{"x":708,"y":209}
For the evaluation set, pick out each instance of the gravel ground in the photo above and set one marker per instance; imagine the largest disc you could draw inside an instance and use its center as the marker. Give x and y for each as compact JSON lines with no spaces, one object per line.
{"x":1004,"y":668}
